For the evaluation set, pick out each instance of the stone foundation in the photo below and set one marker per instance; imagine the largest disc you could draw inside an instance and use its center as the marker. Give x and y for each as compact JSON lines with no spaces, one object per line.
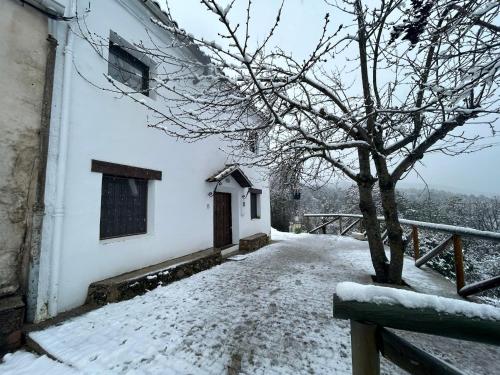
{"x":254,"y":242}
{"x":129,"y":285}
{"x":11,"y":321}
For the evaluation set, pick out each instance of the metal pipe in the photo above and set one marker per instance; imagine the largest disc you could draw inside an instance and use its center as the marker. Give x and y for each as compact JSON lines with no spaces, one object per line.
{"x":61,"y":168}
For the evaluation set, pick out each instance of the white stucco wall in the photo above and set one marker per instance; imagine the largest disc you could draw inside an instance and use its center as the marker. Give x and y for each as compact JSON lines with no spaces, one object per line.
{"x":105,"y":127}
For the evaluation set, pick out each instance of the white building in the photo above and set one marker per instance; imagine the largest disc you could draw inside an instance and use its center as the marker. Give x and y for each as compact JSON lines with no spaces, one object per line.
{"x":120,"y":196}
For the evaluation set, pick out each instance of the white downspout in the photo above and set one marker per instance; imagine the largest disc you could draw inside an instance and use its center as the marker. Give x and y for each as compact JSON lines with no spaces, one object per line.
{"x":55,"y":258}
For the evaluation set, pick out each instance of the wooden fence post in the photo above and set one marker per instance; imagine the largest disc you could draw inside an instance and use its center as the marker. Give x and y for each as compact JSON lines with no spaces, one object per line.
{"x":459,"y":261}
{"x":365,"y":354}
{"x":416,"y":245}
{"x":340,"y":226}
{"x":324,"y":229}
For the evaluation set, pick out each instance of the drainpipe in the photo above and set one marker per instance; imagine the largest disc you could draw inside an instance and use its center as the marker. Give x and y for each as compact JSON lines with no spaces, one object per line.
{"x":61,"y":168}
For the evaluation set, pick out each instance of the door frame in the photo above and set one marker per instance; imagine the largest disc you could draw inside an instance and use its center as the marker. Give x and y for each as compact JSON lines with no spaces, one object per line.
{"x":230,"y":219}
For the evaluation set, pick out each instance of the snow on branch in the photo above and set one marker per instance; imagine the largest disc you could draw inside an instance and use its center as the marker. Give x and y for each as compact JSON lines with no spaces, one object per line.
{"x":372,"y":83}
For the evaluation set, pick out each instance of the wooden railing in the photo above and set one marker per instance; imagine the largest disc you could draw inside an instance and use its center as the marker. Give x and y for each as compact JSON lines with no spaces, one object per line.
{"x":370,"y":337}
{"x":454,"y":239}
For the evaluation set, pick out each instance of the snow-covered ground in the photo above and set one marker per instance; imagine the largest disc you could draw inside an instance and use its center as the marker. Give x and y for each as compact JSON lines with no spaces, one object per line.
{"x":268,"y":313}
{"x":25,"y":363}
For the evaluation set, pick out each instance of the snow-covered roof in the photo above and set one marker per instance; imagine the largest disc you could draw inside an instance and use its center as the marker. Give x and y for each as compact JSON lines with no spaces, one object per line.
{"x":155,"y":7}
{"x":158,"y":10}
{"x":235,"y":172}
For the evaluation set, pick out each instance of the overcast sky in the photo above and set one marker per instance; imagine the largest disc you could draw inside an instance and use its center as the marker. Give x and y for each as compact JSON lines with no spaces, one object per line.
{"x":301,"y":25}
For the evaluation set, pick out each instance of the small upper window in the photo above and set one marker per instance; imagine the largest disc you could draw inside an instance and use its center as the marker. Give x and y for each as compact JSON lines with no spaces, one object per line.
{"x":128,"y":69}
{"x":253,"y":142}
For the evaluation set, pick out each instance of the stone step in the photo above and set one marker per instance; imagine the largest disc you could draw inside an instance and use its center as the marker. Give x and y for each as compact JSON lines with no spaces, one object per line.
{"x":131,"y":284}
{"x":254,"y":242}
{"x":11,"y":322}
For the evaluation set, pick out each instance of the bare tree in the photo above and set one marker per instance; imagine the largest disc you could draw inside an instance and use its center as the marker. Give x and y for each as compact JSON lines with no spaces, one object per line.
{"x":422,"y":74}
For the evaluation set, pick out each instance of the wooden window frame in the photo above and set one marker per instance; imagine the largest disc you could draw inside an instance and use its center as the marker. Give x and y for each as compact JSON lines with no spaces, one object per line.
{"x":122,"y":170}
{"x":126,"y":172}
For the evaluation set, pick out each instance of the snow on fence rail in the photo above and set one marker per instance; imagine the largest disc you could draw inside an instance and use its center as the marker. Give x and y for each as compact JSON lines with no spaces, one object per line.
{"x":372,"y":309}
{"x":455,"y":240}
{"x":445,"y":228}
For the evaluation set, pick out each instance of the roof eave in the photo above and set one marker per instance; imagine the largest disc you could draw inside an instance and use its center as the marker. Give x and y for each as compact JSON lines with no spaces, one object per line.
{"x":235,"y":172}
{"x":155,"y":9}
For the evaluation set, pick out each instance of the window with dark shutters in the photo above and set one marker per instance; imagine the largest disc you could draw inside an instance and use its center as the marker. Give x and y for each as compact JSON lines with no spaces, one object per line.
{"x":123,"y":206}
{"x":253,"y":206}
{"x":124,"y":198}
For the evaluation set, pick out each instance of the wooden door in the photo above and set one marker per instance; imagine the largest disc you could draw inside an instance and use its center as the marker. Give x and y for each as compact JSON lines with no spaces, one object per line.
{"x":223,"y":235}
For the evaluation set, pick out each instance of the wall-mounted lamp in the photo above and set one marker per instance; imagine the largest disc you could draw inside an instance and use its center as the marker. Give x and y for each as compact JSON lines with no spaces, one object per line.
{"x":244,"y":196}
{"x":211,"y":193}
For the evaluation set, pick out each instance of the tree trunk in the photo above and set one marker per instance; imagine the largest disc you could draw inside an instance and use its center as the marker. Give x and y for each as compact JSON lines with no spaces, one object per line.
{"x":394,"y":230}
{"x":370,"y":221}
{"x":366,"y":180}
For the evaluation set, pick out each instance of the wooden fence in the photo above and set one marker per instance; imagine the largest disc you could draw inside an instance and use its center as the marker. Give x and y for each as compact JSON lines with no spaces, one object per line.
{"x":370,"y":337}
{"x":454,"y":239}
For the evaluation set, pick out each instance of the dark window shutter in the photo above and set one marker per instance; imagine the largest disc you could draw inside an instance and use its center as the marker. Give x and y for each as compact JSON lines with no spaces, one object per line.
{"x":253,"y":206}
{"x":123,"y":206}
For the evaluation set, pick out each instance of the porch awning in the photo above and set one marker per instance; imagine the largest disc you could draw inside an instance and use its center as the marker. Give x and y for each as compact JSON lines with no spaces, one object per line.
{"x":235,"y":172}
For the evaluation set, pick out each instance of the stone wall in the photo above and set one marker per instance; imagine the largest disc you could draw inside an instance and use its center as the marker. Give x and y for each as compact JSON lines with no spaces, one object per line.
{"x":254,"y":242}
{"x":11,"y":320}
{"x":136,"y":283}
{"x":23,"y":60}
{"x":23,"y":55}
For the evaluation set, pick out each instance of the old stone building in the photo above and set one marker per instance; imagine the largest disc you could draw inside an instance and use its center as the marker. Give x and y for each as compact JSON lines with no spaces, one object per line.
{"x":26,"y":51}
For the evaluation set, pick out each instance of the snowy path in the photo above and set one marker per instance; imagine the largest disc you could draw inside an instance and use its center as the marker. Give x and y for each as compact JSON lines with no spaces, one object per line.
{"x":271,"y":311}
